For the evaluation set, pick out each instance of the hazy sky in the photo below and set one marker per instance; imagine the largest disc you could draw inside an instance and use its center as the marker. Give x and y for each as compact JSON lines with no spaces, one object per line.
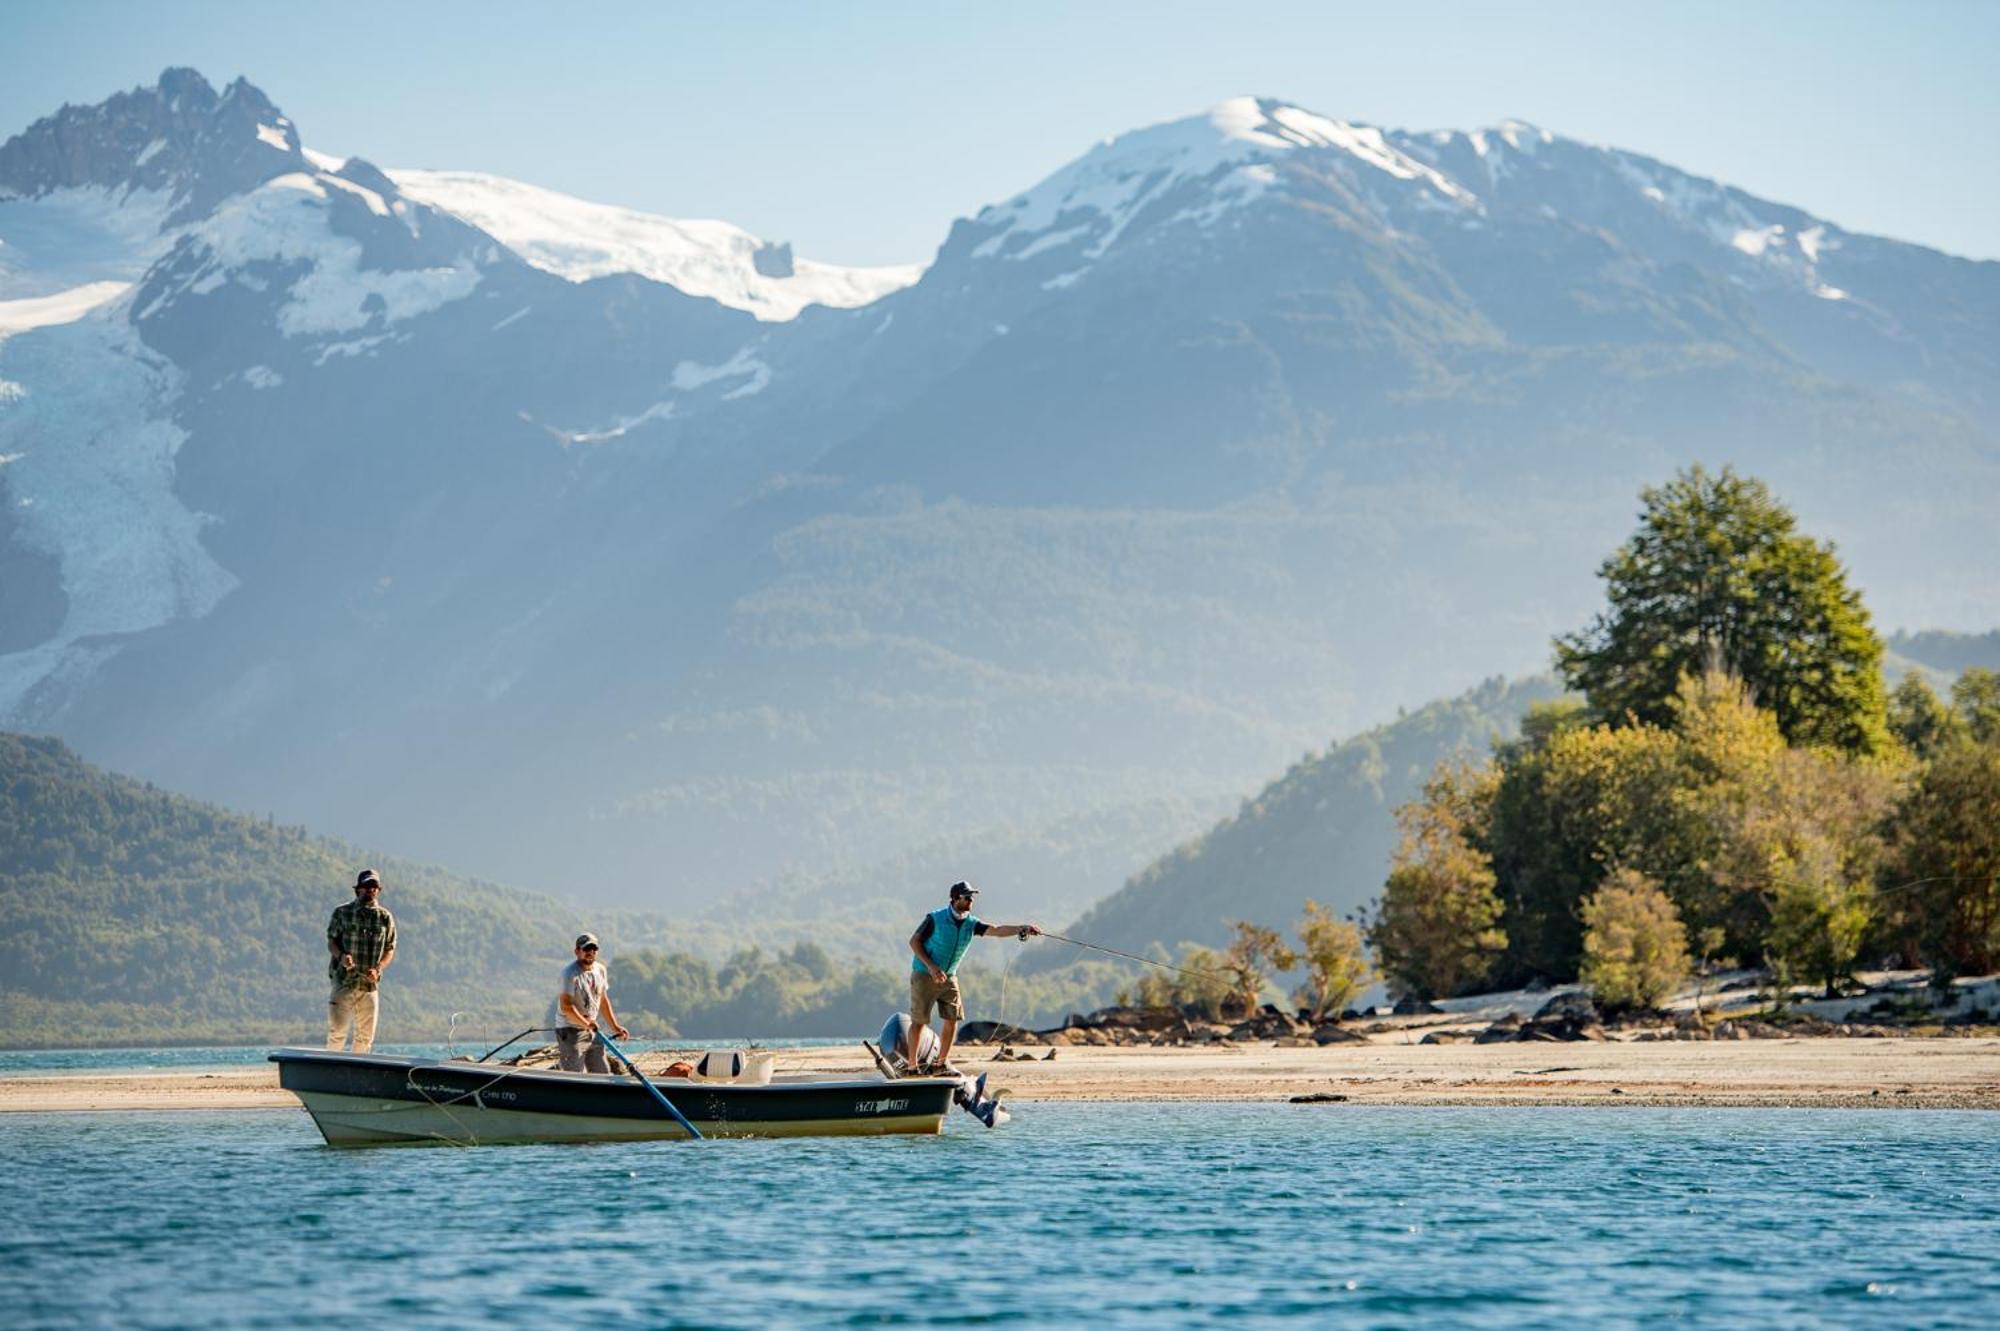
{"x":859,"y":131}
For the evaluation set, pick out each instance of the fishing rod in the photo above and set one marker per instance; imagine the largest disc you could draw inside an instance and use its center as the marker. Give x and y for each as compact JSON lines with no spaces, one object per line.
{"x":1133,"y":956}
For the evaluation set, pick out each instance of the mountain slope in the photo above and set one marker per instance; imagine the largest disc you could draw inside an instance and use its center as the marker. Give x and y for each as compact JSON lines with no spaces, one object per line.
{"x":128,"y":914}
{"x":1230,"y":435}
{"x":1323,"y":831}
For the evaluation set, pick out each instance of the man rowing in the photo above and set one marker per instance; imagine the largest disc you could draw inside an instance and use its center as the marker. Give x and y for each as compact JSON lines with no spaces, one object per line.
{"x":939,"y":944}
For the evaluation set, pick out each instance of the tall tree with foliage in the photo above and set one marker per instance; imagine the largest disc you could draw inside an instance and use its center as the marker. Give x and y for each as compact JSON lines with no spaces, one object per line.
{"x":1975,"y":697}
{"x":1435,"y":929}
{"x":1635,"y":950}
{"x":1337,"y":968}
{"x":1947,"y":873}
{"x":1919,"y":718}
{"x":1251,"y":956}
{"x":1719,"y":577}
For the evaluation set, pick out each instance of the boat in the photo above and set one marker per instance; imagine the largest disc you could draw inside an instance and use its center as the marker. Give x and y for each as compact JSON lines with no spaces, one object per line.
{"x":380,"y":1099}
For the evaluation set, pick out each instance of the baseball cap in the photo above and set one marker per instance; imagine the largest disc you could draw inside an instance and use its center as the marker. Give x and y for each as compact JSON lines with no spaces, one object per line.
{"x":365,"y":877}
{"x":962,"y":889}
{"x":586,"y":940}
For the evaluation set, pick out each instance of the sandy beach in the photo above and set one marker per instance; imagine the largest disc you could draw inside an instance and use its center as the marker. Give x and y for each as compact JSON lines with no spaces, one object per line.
{"x":1802,"y":1073}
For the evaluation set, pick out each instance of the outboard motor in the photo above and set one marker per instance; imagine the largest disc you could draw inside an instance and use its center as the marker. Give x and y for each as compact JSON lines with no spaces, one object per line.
{"x":971,"y":1093}
{"x":890,"y":1042}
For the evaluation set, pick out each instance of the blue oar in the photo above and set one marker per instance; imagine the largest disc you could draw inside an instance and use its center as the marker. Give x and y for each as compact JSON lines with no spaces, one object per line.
{"x":633,"y":1068}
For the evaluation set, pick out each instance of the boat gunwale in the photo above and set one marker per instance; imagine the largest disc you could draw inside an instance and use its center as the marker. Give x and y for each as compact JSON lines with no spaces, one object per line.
{"x":556,"y":1076}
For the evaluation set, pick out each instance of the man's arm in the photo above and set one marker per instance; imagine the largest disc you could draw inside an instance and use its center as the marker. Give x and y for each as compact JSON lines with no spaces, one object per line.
{"x":917,"y":947}
{"x":618,"y":1031}
{"x":334,"y":949}
{"x":1022,"y":931}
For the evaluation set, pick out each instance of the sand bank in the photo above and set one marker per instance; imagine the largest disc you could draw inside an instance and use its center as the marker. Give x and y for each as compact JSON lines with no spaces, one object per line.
{"x":1806,"y":1073}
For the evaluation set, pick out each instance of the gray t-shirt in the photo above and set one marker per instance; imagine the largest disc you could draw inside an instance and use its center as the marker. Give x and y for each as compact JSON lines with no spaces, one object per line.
{"x":586,"y":987}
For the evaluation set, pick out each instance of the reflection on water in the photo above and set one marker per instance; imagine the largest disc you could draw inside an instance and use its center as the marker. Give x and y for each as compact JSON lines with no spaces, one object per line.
{"x":1115,"y":1215}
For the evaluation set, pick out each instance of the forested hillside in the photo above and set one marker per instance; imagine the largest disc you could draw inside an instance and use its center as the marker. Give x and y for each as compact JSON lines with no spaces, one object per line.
{"x":128,"y":914}
{"x":1323,"y":830}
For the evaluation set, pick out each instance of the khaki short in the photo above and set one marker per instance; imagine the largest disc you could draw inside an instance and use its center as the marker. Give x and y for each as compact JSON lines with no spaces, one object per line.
{"x":926,"y":993}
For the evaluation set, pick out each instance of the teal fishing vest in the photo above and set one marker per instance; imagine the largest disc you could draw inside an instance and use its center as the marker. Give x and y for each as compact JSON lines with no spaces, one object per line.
{"x":948,"y":941}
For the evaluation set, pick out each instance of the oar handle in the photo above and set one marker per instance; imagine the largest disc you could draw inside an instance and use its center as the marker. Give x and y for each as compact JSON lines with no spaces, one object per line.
{"x":646,"y":1082}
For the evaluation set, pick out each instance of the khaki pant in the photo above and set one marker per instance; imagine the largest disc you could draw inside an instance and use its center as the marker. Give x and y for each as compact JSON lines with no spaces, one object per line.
{"x":356,"y":1006}
{"x":926,"y":993}
{"x":579,"y":1050}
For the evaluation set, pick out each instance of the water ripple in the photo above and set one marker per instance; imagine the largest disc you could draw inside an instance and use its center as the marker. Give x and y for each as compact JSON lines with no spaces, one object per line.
{"x":1119,"y":1216}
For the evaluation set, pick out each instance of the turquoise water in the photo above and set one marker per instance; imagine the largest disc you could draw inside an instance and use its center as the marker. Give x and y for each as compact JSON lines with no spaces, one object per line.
{"x":1148,"y":1216}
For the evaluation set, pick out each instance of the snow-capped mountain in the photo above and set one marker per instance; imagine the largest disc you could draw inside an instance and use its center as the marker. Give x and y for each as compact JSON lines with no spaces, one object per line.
{"x":342,"y":493}
{"x":578,"y":241}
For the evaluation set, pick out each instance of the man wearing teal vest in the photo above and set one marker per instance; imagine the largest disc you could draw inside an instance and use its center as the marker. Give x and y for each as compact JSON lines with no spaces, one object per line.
{"x":939,"y":944}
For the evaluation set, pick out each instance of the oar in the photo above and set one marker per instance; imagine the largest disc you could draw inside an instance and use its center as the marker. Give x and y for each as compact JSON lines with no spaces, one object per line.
{"x":644,"y":1081}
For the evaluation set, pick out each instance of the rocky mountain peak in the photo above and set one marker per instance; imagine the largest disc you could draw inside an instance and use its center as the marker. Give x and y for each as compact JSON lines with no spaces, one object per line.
{"x":178,"y":137}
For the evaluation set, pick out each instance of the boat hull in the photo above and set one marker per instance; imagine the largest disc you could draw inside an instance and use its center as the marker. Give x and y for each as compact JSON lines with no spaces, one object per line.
{"x":379,"y":1100}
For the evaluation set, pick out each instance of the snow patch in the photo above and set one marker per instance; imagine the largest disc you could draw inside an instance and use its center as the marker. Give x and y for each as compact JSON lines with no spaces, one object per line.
{"x":688,"y":375}
{"x":366,"y":195}
{"x":326,"y":162}
{"x":150,"y":151}
{"x":1755,"y":242}
{"x":1233,"y":149}
{"x":578,"y":240}
{"x":284,"y":221}
{"x":659,"y":411}
{"x":274,"y":136}
{"x":18,"y":316}
{"x":96,"y":484}
{"x":72,"y":237}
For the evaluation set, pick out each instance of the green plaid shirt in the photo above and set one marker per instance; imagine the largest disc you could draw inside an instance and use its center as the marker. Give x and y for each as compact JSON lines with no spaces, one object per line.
{"x":367,"y":933}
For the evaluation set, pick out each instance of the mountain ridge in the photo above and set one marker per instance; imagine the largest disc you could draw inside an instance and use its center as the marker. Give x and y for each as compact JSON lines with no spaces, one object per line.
{"x":1047,"y":555}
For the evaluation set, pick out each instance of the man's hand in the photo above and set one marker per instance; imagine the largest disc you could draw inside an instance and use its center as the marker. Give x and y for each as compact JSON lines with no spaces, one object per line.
{"x":937,"y":971}
{"x":622,"y":1033}
{"x":347,"y":961}
{"x":1028,"y":931}
{"x":374,"y":974}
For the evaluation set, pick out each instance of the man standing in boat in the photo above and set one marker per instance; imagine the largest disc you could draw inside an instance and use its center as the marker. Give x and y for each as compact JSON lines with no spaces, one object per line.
{"x":939,"y":944}
{"x":585,"y":993}
{"x":360,"y":944}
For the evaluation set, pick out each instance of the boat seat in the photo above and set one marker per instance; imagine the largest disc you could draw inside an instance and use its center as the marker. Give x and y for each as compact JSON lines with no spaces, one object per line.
{"x":747,"y":1067}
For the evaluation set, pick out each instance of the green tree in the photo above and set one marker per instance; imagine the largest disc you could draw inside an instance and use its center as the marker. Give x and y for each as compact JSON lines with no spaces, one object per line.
{"x":1814,"y":840}
{"x":1975,"y":696}
{"x":1200,"y":982}
{"x":1337,"y":968}
{"x":1947,"y":865}
{"x":1435,"y":929}
{"x":1634,"y":948}
{"x":1252,"y":954}
{"x":1919,"y":718}
{"x":1718,"y":577}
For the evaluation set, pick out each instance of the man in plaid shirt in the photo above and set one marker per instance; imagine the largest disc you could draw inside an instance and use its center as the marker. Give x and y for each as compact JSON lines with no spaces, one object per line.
{"x":360,"y":944}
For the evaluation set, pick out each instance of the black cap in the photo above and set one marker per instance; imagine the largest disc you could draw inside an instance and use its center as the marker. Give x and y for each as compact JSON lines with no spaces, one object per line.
{"x":365,"y":877}
{"x":586,"y":940}
{"x":963,"y":889}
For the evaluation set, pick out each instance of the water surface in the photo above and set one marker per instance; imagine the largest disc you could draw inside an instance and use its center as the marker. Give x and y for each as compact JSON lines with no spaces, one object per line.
{"x":1148,"y":1216}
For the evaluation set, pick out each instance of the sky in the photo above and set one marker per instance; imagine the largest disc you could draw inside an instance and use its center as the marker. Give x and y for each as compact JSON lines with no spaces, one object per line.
{"x":860,"y":131}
